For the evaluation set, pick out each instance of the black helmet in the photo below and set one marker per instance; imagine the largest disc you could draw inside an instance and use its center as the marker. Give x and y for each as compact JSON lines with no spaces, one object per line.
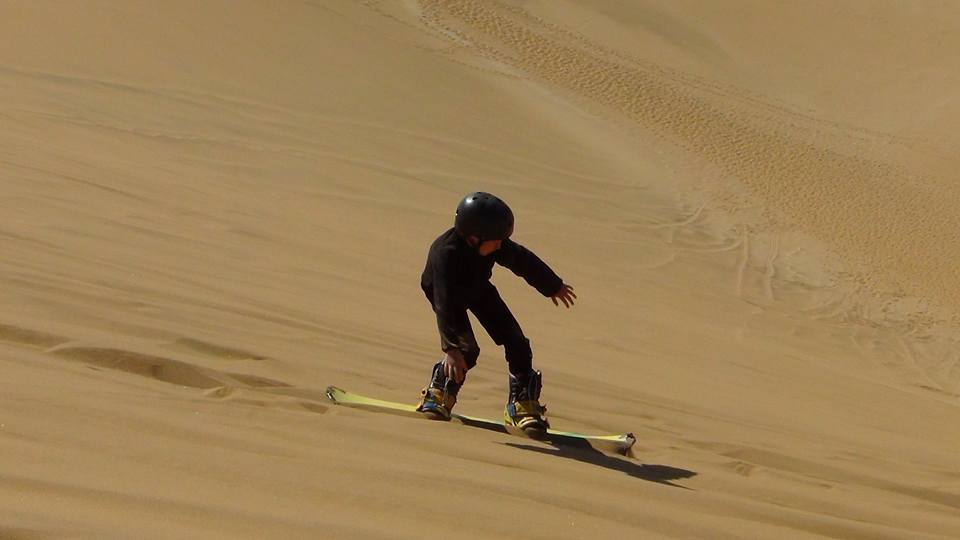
{"x":485,"y":216}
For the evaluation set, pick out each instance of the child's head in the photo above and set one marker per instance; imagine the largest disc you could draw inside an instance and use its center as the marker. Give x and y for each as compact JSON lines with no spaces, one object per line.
{"x":484,"y":221}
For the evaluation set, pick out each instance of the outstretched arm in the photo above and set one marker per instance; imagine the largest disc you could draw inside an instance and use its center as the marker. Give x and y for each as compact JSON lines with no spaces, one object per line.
{"x":524,"y":263}
{"x":565,"y":295}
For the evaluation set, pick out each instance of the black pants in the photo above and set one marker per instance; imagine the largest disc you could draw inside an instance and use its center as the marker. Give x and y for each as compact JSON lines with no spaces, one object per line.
{"x":493,"y":314}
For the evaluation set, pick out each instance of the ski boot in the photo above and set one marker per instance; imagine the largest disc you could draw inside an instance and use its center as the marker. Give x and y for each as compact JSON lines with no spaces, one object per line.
{"x":439,"y":397}
{"x":523,"y":406}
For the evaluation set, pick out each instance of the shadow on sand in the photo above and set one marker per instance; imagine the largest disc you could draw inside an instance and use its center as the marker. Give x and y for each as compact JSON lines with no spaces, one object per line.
{"x":661,"y":474}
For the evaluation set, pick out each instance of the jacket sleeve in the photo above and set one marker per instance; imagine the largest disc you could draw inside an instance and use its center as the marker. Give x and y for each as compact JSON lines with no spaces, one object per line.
{"x":448,"y":304}
{"x":524,"y":263}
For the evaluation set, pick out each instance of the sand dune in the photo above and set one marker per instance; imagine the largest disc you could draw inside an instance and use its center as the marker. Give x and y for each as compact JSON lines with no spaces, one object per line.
{"x":211,"y":212}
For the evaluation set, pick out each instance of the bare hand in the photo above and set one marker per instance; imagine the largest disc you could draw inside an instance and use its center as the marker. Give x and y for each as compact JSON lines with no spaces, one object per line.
{"x":566,"y":295}
{"x":454,"y":366}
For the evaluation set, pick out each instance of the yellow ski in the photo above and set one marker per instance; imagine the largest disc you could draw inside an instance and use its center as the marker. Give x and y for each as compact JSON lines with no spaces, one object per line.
{"x":619,"y":444}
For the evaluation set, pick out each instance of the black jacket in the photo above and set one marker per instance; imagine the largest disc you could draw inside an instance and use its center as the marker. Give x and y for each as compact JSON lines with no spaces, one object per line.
{"x":455,"y":271}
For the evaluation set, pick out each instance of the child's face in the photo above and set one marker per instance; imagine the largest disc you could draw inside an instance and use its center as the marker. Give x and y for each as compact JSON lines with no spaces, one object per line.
{"x":488,"y":246}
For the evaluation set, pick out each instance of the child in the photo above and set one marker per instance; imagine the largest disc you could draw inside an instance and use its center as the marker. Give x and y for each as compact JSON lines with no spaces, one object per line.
{"x":457,"y":279}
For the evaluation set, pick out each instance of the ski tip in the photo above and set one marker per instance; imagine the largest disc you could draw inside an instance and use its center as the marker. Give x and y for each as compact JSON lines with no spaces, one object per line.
{"x":626,"y":447}
{"x":331,"y":391}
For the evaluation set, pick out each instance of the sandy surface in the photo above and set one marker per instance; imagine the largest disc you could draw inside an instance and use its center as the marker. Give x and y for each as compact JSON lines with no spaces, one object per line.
{"x":211,"y":211}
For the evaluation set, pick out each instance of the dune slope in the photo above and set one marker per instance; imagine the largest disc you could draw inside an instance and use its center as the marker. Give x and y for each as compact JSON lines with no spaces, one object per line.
{"x":212,"y":211}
